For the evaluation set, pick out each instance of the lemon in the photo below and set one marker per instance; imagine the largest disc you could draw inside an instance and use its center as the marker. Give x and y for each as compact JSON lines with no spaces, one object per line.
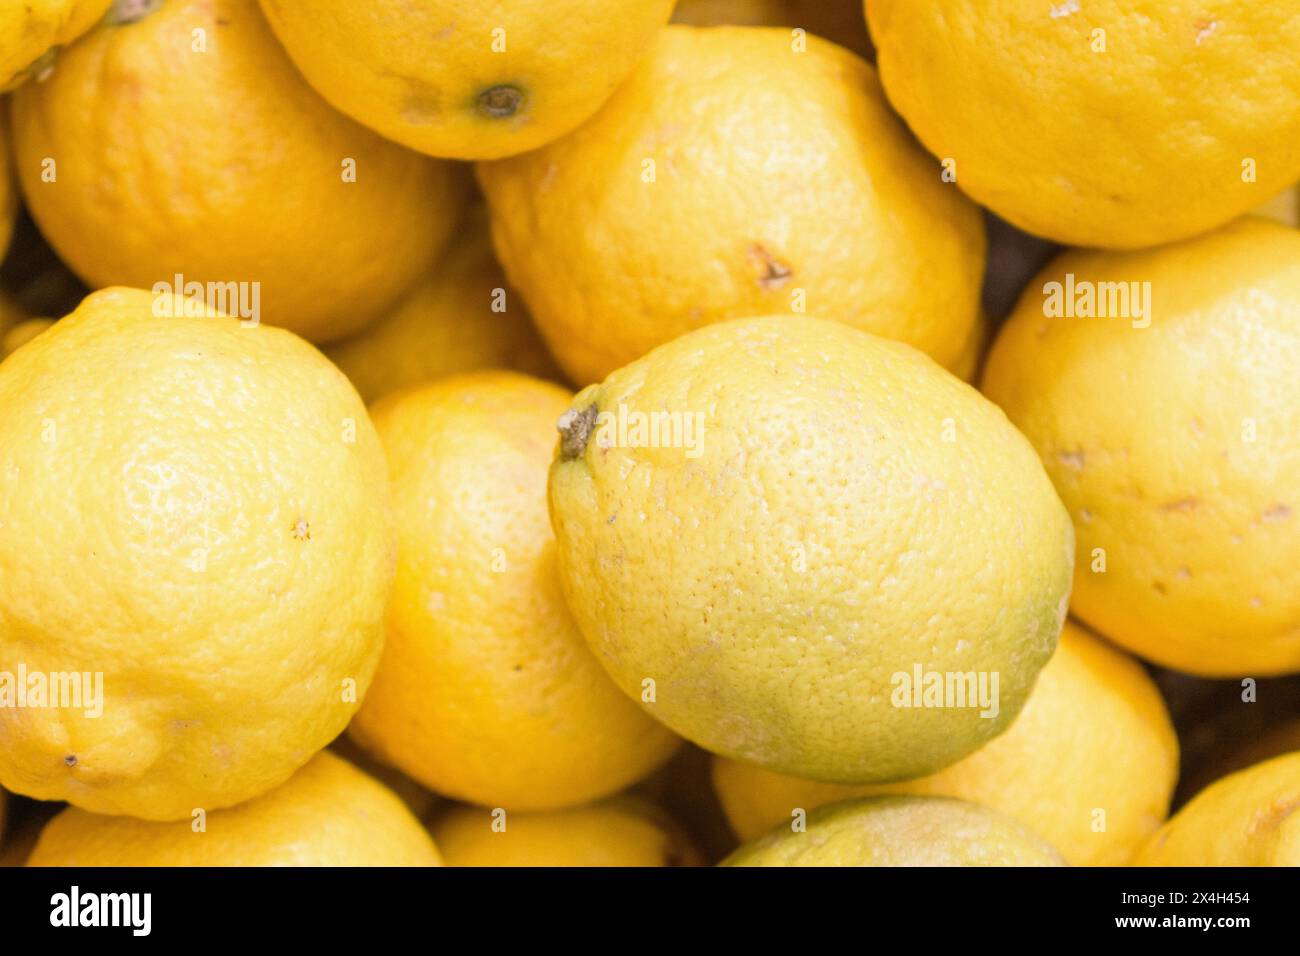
{"x":1171,"y":428}
{"x":619,"y":831}
{"x":468,"y":79}
{"x":184,"y":143}
{"x":837,"y":20}
{"x":197,"y":513}
{"x":1090,"y":764}
{"x":736,"y":174}
{"x":460,"y":317}
{"x":1246,"y":819}
{"x":812,"y":516}
{"x":486,"y":691}
{"x":328,"y":814}
{"x":899,"y":831}
{"x":31,"y":37}
{"x":12,"y":315}
{"x":21,"y":333}
{"x":1115,"y":123}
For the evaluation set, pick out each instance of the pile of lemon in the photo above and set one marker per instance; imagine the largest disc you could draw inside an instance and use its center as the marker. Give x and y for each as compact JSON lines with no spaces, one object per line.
{"x":545,"y":434}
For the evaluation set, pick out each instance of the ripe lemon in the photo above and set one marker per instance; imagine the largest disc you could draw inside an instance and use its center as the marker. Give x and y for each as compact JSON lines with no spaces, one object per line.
{"x":461,"y":317}
{"x":812,"y":515}
{"x":619,"y":831}
{"x":185,"y":143}
{"x":486,"y":691}
{"x":1246,"y":819}
{"x":1090,"y":763}
{"x":735,"y":174}
{"x":328,"y":814}
{"x":12,"y":314}
{"x":899,"y":831}
{"x":197,"y":512}
{"x":838,"y":20}
{"x":1116,"y":123}
{"x":469,"y":79}
{"x":1175,"y":445}
{"x":31,"y":38}
{"x":19,"y":334}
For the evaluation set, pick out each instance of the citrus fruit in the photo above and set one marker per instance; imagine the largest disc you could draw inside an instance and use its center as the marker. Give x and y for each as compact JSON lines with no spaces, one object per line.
{"x":1115,"y":123}
{"x":19,"y":334}
{"x":1246,"y":819}
{"x":469,"y":79}
{"x":814,"y":527}
{"x":732,"y":175}
{"x":899,"y":831}
{"x":329,"y":813}
{"x":1159,"y":388}
{"x":462,"y":316}
{"x":1090,"y":764}
{"x":486,"y":691}
{"x":31,"y":38}
{"x":179,"y":141}
{"x":619,"y":831}
{"x":194,"y":520}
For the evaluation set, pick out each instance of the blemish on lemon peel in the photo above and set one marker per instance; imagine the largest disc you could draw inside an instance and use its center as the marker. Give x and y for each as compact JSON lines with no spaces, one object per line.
{"x":575,"y":427}
{"x":500,"y":102}
{"x":772,"y":272}
{"x":126,"y":12}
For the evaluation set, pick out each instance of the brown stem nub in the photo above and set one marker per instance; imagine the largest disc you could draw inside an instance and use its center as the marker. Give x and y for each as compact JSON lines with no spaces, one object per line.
{"x":129,"y":11}
{"x":575,"y":431}
{"x":500,"y":102}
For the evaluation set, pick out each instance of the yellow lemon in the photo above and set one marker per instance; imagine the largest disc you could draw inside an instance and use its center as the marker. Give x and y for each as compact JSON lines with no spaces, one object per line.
{"x":736,"y":174}
{"x":1116,"y":123}
{"x":461,"y":317}
{"x":329,"y":813}
{"x":486,"y":691}
{"x":184,"y":143}
{"x":838,"y":20}
{"x":195,"y":529}
{"x":1247,"y":819}
{"x":1160,"y":390}
{"x":1090,"y":764}
{"x":779,"y":533}
{"x":33,"y":31}
{"x":12,"y":315}
{"x":18,"y":335}
{"x":899,"y":831}
{"x":469,"y":79}
{"x":620,"y":831}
